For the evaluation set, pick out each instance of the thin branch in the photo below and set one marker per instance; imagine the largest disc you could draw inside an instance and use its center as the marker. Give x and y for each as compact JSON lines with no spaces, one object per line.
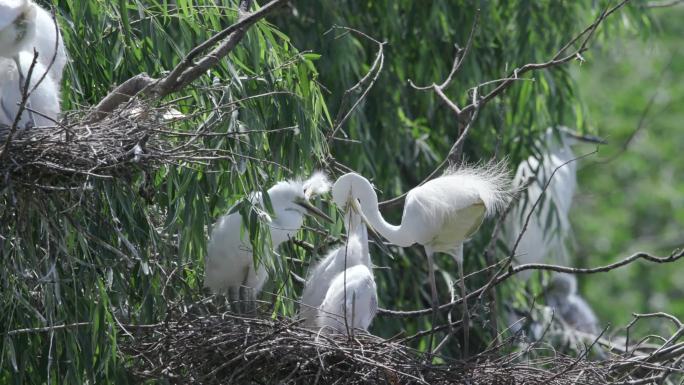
{"x":47,"y":329}
{"x":186,"y":71}
{"x":25,"y":94}
{"x":371,"y":77}
{"x":478,"y":102}
{"x":674,"y":256}
{"x":642,"y":117}
{"x":663,"y":4}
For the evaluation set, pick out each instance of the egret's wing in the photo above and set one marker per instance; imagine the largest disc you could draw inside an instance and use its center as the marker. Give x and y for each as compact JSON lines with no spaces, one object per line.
{"x":476,"y":213}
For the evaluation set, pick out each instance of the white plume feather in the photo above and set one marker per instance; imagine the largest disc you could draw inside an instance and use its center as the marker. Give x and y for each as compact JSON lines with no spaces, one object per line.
{"x":317,"y":184}
{"x":492,"y":180}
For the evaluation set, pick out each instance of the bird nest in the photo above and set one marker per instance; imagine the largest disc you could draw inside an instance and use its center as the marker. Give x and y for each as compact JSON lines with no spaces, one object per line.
{"x":228,"y":348}
{"x":138,"y":136}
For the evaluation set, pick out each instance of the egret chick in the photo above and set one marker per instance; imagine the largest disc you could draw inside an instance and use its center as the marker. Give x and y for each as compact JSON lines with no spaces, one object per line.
{"x":47,"y":36}
{"x":440,"y":215}
{"x":562,"y":296}
{"x":353,"y":252}
{"x":229,"y":264}
{"x":17,"y":26}
{"x":44,"y":100}
{"x":350,"y":302}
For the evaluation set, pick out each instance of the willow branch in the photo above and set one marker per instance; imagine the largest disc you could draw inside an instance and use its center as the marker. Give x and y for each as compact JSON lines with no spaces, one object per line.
{"x":187,"y":70}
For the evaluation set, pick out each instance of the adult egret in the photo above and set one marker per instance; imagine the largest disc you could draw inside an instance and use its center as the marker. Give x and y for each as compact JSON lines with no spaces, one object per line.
{"x":440,"y":215}
{"x":549,"y":230}
{"x":538,"y":245}
{"x":229,"y":264}
{"x":17,"y":26}
{"x":43,"y":103}
{"x":353,"y":252}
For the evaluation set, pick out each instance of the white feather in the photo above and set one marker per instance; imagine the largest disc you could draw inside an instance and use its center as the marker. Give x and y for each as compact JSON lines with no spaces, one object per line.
{"x":46,"y":38}
{"x":350,"y":303}
{"x":229,"y":263}
{"x":353,"y":252}
{"x":17,"y":26}
{"x":44,"y":99}
{"x":317,"y":184}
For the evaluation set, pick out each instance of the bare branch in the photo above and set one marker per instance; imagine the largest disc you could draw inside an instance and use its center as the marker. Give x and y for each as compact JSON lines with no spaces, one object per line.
{"x":478,"y":102}
{"x":663,"y":4}
{"x":186,"y":72}
{"x":370,"y":78}
{"x":674,"y":256}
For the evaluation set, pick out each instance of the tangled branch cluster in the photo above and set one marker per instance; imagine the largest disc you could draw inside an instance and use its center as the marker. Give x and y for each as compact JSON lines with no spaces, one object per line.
{"x":137,"y":137}
{"x":227,"y":348}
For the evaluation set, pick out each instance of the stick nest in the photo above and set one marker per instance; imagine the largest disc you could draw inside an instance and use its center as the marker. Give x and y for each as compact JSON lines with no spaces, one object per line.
{"x":67,"y":155}
{"x":227,"y":348}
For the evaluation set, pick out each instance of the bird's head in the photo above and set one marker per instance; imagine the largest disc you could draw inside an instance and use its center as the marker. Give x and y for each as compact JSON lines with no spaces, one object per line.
{"x":17,"y":26}
{"x":295,"y":195}
{"x":353,"y":193}
{"x":562,"y":285}
{"x":353,"y":184}
{"x":345,"y":200}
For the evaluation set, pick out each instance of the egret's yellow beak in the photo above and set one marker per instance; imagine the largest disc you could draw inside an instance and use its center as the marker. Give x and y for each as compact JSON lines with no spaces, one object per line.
{"x":313,"y":210}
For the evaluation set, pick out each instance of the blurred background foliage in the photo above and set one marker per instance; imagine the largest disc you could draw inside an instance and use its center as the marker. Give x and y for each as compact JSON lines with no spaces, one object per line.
{"x":110,"y":255}
{"x":633,"y":200}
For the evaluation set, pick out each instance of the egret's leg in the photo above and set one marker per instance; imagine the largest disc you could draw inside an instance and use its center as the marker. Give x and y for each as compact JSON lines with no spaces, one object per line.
{"x":234,"y":299}
{"x":458,"y":256}
{"x":250,"y":301}
{"x":247,"y":300}
{"x":433,"y":293}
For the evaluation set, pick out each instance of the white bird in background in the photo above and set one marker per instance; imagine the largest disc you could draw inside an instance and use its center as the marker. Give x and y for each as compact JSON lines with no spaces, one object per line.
{"x":561,"y":295}
{"x":323,"y":298}
{"x":440,"y":215}
{"x":229,"y":265}
{"x":544,"y":241}
{"x":25,"y":27}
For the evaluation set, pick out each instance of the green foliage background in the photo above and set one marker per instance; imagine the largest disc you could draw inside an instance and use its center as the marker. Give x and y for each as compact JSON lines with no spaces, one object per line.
{"x":115,"y":257}
{"x":636,"y":201}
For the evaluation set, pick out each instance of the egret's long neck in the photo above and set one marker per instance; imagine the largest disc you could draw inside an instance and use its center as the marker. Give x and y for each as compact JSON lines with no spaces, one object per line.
{"x":369,"y":204}
{"x":356,"y":228}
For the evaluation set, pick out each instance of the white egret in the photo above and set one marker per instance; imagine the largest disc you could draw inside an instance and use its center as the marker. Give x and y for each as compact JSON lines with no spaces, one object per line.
{"x":440,"y":215}
{"x":350,"y":302}
{"x":353,"y":252}
{"x":549,"y":230}
{"x":569,"y":306}
{"x":17,"y":26}
{"x":229,"y":264}
{"x":537,"y":245}
{"x":24,"y":28}
{"x":44,"y":100}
